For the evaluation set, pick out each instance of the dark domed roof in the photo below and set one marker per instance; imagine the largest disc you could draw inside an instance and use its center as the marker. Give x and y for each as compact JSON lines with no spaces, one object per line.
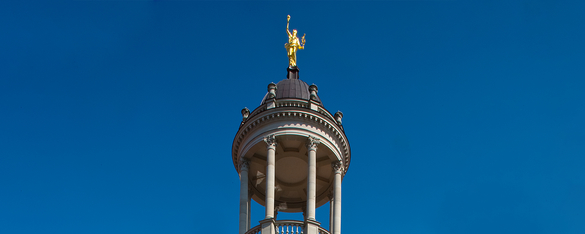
{"x":292,"y":88}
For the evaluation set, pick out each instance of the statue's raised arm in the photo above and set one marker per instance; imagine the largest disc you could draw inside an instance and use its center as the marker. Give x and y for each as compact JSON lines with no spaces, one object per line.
{"x":293,"y":44}
{"x":287,"y":31}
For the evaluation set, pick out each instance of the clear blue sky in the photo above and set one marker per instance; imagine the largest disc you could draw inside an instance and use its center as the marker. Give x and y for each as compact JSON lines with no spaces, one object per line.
{"x":463,"y":117}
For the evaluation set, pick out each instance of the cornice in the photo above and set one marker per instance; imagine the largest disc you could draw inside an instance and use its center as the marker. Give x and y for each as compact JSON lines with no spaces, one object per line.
{"x":292,"y":108}
{"x":290,"y":102}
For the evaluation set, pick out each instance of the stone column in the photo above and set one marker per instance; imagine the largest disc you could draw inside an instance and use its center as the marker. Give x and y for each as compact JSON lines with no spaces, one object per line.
{"x":249,"y":209}
{"x":270,"y":175}
{"x":244,"y":198}
{"x":331,"y":206}
{"x":312,"y":177}
{"x":268,"y":224}
{"x":338,"y":169}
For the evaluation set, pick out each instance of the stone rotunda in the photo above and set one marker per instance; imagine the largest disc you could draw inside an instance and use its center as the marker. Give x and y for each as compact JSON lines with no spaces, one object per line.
{"x":291,"y":154}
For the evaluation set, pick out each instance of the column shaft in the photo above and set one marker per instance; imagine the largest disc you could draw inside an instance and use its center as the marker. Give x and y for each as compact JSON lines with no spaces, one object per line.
{"x":248,"y":226}
{"x":312,"y":177}
{"x":270,"y":176}
{"x":331,"y":206}
{"x":337,"y":200}
{"x":244,"y":199}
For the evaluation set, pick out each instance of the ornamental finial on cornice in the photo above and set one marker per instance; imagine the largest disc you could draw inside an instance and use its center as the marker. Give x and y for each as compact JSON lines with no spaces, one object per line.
{"x":270,"y":140}
{"x":313,"y":91}
{"x":245,"y":113}
{"x":312,"y":143}
{"x":338,"y":117}
{"x":271,"y":90}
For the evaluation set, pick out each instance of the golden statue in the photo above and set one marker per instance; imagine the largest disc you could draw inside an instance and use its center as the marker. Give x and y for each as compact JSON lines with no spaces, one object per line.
{"x":293,"y":45}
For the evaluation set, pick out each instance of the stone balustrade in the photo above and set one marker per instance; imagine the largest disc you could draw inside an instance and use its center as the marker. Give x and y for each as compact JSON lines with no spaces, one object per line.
{"x":289,"y":227}
{"x":286,"y":227}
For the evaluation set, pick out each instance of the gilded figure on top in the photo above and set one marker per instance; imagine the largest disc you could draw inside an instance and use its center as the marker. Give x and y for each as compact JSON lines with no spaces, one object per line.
{"x":293,"y":45}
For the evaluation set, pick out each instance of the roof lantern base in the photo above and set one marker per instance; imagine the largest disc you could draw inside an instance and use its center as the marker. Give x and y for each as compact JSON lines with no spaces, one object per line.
{"x":293,"y":73}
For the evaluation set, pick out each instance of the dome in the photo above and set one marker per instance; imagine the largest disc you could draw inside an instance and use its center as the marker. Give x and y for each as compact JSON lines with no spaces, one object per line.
{"x":292,"y":89}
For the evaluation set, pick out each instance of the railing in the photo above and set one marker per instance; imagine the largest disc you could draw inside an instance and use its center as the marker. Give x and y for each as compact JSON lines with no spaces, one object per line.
{"x":286,"y":227}
{"x":289,"y":227}
{"x":292,"y":103}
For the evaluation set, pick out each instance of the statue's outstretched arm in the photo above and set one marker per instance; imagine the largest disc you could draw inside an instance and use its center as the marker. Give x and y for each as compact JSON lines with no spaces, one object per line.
{"x":287,"y":31}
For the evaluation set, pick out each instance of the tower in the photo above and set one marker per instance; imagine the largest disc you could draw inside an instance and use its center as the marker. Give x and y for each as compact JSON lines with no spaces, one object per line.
{"x":291,"y":154}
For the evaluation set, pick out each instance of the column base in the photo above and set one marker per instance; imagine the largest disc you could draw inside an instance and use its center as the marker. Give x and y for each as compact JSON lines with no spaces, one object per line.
{"x":268,"y":226}
{"x":311,"y":227}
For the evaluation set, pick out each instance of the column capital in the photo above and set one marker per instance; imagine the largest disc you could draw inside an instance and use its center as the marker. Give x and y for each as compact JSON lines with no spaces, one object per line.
{"x":313,"y":142}
{"x":337,"y":167}
{"x":270,"y":141}
{"x":244,"y":164}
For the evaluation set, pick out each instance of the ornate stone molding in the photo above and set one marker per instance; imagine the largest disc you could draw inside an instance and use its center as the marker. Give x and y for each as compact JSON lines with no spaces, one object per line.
{"x":303,"y":104}
{"x":270,"y":141}
{"x":313,"y":142}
